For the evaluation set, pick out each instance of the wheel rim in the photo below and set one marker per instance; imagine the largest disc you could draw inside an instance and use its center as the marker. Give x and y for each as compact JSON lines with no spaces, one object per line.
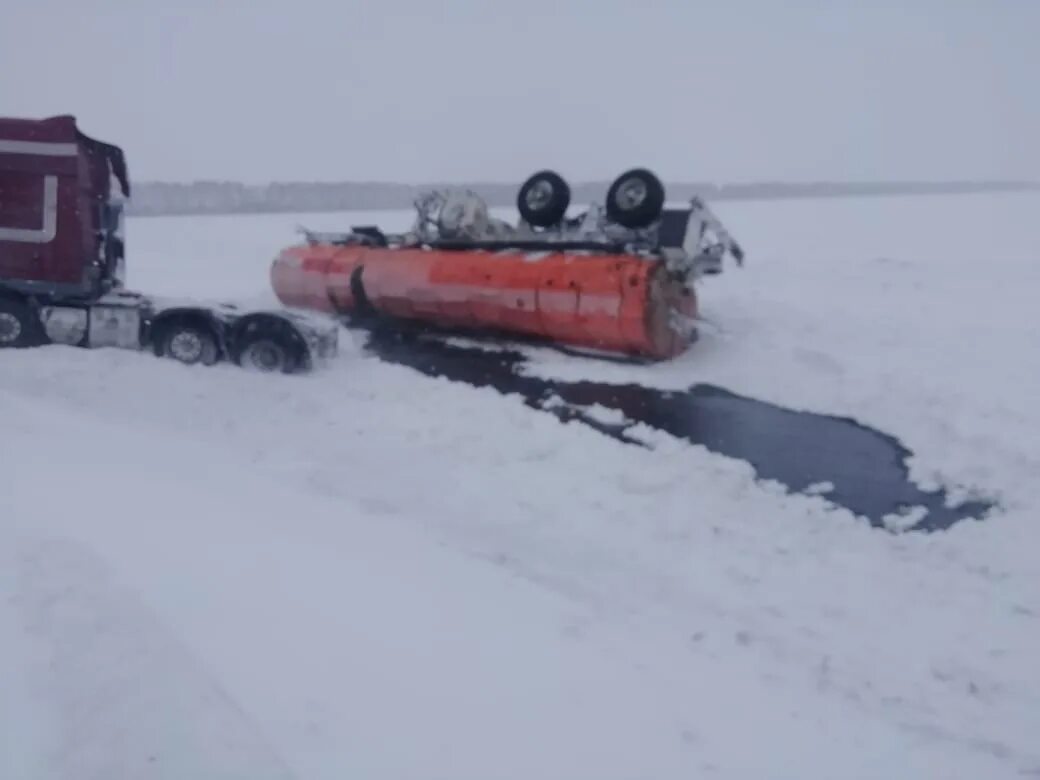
{"x":538,"y":195}
{"x":186,"y":347}
{"x":631,"y":193}
{"x":264,"y":356}
{"x":10,"y":328}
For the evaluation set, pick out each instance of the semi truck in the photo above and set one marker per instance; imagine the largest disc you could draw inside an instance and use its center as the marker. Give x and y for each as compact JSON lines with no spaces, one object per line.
{"x":63,"y":266}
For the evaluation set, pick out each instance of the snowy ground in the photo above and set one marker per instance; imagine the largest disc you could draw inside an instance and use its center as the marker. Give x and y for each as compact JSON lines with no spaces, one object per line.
{"x":370,"y":573}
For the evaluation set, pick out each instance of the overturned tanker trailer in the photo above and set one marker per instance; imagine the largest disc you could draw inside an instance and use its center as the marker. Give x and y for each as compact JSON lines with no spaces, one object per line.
{"x":618,"y":278}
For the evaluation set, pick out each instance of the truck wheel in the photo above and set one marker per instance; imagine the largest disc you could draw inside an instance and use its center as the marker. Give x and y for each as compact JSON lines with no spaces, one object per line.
{"x":268,"y":355}
{"x":20,"y":327}
{"x":189,"y":344}
{"x":635,"y":199}
{"x":543,"y":199}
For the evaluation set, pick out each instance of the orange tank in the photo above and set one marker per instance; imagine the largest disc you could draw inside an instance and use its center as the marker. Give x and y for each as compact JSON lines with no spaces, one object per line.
{"x":614,"y":302}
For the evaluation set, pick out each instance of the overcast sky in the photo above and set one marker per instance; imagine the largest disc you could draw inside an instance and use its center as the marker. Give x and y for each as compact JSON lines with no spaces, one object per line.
{"x":421,"y":90}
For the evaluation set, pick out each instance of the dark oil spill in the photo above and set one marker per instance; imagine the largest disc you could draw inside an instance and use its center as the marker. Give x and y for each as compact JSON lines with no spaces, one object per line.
{"x":867,"y":468}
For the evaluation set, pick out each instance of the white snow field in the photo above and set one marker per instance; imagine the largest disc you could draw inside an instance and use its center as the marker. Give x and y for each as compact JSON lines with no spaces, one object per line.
{"x":368,"y":573}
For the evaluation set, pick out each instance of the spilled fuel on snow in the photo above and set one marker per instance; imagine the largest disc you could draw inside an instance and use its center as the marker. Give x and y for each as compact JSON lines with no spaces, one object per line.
{"x":864,"y":470}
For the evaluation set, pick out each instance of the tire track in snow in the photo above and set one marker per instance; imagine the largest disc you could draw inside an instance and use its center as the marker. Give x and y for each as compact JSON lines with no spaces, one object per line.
{"x":128,"y":699}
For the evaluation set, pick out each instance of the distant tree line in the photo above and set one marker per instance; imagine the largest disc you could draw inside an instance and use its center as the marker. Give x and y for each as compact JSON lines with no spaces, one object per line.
{"x":228,"y":197}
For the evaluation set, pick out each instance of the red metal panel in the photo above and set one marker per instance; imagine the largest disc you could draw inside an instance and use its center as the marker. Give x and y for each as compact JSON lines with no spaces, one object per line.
{"x":21,"y":194}
{"x":31,"y":153}
{"x":59,"y":260}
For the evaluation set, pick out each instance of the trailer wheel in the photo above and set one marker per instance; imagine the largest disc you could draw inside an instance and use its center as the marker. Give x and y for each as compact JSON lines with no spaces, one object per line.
{"x":543,"y":199}
{"x":635,"y":199}
{"x":268,"y":355}
{"x":20,"y":327}
{"x":189,"y":343}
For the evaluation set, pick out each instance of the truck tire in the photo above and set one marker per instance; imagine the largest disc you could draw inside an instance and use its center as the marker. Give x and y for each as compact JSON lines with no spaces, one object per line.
{"x":188,"y":343}
{"x":269,"y":343}
{"x":20,"y":325}
{"x":268,"y":354}
{"x":635,"y":199}
{"x":543,"y":199}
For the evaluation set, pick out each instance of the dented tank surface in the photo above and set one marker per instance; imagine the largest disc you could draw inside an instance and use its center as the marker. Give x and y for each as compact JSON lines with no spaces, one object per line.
{"x":614,"y":302}
{"x":864,"y":468}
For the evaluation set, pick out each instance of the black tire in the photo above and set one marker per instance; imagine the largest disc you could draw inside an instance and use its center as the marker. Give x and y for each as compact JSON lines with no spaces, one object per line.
{"x":635,"y":199}
{"x":543,"y":199}
{"x":268,"y":354}
{"x":20,"y":325}
{"x":189,"y":343}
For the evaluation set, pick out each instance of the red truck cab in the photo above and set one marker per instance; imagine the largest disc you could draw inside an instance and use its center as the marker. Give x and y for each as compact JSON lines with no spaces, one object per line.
{"x":60,"y":226}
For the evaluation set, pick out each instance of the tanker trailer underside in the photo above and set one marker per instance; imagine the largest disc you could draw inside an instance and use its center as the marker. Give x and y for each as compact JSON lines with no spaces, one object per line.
{"x":620,"y":279}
